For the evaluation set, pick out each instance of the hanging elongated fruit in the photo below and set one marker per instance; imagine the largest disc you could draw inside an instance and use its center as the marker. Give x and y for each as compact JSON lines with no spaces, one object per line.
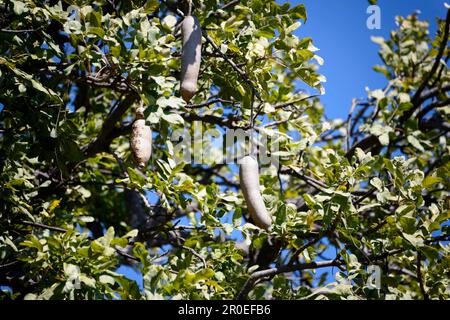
{"x":191,"y":56}
{"x":141,"y":139}
{"x":249,"y":180}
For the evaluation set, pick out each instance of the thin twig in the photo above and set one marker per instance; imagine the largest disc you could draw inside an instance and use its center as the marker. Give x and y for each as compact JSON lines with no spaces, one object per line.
{"x":307,"y":179}
{"x":349,"y":122}
{"x":303,"y":248}
{"x":420,"y":276}
{"x":280,"y":181}
{"x":126,"y":254}
{"x":365,"y":196}
{"x":9,"y":264}
{"x":20,"y":30}
{"x":43,"y":226}
{"x":279,"y":122}
{"x":432,"y":106}
{"x":195,"y":253}
{"x":290,"y":103}
{"x":241,"y":73}
{"x":62,"y":230}
{"x":229,"y":4}
{"x":210,"y":102}
{"x":274,"y":271}
{"x":437,"y":61}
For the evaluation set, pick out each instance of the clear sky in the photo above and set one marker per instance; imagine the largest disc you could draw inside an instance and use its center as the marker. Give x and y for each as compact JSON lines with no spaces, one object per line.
{"x":338,"y":29}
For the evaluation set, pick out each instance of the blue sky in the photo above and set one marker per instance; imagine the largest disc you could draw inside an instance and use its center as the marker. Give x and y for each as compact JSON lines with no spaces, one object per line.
{"x":339,"y":30}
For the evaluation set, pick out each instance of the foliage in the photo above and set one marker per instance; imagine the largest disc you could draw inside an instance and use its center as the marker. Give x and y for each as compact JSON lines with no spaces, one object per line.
{"x":372,"y":189}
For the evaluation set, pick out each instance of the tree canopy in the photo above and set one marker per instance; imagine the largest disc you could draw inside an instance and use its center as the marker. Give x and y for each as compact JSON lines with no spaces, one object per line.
{"x":345,"y":194}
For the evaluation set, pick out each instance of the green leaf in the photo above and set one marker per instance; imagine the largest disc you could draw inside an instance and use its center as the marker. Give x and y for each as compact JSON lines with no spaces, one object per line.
{"x":90,"y":282}
{"x":293,"y":27}
{"x":309,"y":200}
{"x":266,"y":32}
{"x":19,"y":7}
{"x":96,"y":246}
{"x":415,"y":143}
{"x":151,"y":6}
{"x":170,"y":102}
{"x":204,"y":274}
{"x":71,"y":271}
{"x":384,"y":139}
{"x":377,"y":183}
{"x":429,"y":181}
{"x":8,"y":241}
{"x":408,"y":224}
{"x":131,"y":234}
{"x":32,"y":242}
{"x":135,"y":176}
{"x":414,"y":239}
{"x":298,"y":12}
{"x":173,"y":118}
{"x":106,"y":279}
{"x":237,"y":217}
{"x":430,"y":252}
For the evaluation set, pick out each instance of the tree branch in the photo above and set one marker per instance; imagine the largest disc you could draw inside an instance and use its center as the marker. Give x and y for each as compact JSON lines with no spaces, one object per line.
{"x":369,"y":143}
{"x":420,"y":276}
{"x":107,"y":134}
{"x":433,"y":92}
{"x":43,"y":226}
{"x":268,"y":273}
{"x":62,"y":230}
{"x":210,"y":102}
{"x":417,"y":99}
{"x":20,"y":30}
{"x":290,"y":103}
{"x":241,"y":73}
{"x":195,"y":253}
{"x":211,"y":119}
{"x":307,"y":179}
{"x":248,"y":285}
{"x":437,"y":61}
{"x":432,"y":106}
